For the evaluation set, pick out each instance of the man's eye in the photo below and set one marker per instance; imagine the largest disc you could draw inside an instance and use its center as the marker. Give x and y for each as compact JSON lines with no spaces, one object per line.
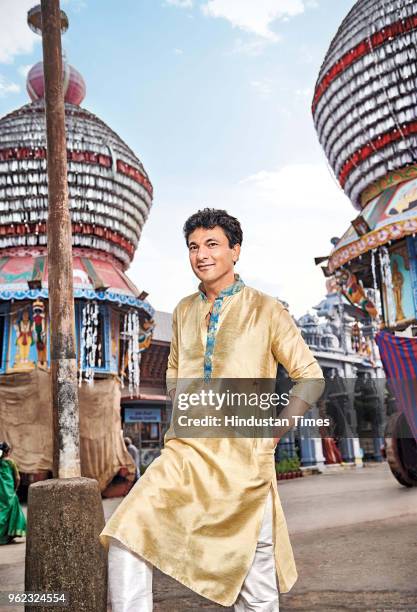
{"x":212,"y":244}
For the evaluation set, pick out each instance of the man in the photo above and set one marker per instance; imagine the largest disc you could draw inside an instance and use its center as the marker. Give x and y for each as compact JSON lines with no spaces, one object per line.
{"x":207,"y":511}
{"x":134,"y":453}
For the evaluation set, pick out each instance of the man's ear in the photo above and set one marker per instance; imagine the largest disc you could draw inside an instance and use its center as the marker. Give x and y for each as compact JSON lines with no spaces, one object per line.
{"x":236,"y":253}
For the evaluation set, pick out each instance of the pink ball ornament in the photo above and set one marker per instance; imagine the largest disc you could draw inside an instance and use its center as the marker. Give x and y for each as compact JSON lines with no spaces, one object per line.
{"x":74,"y":84}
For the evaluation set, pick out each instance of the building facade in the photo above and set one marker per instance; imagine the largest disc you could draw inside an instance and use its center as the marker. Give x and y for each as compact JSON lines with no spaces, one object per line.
{"x":146,"y":416}
{"x":110,"y":196}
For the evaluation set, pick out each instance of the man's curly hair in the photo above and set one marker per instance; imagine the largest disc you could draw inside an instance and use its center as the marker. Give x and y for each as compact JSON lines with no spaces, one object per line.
{"x":209,"y":218}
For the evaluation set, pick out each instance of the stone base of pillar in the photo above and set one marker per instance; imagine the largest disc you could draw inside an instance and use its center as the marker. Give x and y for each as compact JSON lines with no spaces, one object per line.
{"x":63,"y":551}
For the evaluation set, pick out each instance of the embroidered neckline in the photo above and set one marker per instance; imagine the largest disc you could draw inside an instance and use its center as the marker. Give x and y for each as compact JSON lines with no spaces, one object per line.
{"x":214,"y":320}
{"x":236,"y":286}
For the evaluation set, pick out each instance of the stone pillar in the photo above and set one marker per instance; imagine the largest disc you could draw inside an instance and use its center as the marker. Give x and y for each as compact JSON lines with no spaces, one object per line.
{"x":318,"y":451}
{"x":377,"y":443}
{"x":357,"y":452}
{"x":316,"y":441}
{"x":64,"y":553}
{"x":307,"y":446}
{"x":347,"y":449}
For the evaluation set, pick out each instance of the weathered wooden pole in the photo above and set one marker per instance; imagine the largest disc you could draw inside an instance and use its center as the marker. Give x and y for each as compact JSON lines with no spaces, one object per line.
{"x":60,"y":279}
{"x":65,"y":515}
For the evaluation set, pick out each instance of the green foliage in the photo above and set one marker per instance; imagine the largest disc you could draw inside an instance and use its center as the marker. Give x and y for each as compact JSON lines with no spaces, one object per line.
{"x":287,"y":464}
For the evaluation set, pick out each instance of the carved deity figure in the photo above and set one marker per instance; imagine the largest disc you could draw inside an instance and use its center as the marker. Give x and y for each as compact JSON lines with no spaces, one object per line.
{"x":397,"y":282}
{"x":24,"y":338}
{"x":40,"y":331}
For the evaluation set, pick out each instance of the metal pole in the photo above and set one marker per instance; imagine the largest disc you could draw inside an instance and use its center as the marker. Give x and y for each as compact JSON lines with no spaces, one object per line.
{"x":60,"y":279}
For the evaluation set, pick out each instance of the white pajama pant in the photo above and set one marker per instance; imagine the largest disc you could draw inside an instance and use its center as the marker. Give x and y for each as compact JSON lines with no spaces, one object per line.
{"x":130,"y":576}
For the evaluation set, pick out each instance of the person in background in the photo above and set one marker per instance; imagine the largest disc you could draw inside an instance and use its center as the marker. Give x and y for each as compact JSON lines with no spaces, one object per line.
{"x":12,"y":519}
{"x":330,"y":450}
{"x":134,"y":453}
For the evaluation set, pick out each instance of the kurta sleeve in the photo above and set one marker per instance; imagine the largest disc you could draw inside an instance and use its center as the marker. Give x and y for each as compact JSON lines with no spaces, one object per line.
{"x":172,"y":370}
{"x":290,"y":349}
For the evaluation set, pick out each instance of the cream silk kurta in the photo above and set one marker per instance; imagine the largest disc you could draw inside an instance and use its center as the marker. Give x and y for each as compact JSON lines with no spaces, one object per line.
{"x":197,"y":511}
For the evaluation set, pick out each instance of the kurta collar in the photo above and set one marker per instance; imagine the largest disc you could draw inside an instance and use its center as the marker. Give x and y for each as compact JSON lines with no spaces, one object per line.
{"x":230,"y":290}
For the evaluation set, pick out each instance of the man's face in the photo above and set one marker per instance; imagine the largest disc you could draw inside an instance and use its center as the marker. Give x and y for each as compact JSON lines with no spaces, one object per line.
{"x":211,"y":257}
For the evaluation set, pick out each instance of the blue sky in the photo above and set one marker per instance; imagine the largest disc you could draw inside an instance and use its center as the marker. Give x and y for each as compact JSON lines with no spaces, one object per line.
{"x":214,"y":97}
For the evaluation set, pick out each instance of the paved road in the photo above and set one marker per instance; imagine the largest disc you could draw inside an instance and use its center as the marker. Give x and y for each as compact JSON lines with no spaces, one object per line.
{"x":354,"y":535}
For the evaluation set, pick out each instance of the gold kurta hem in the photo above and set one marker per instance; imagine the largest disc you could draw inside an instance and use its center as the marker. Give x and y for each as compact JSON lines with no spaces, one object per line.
{"x":197,"y":511}
{"x":213,"y":569}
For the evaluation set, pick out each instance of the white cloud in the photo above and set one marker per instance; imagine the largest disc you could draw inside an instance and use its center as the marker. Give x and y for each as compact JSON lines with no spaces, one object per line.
{"x":263,"y":87}
{"x":181,"y":3}
{"x":15,"y":36}
{"x":7,"y":87}
{"x":290,"y":214}
{"x":253,"y":47}
{"x":254,"y":16}
{"x":178,"y":51}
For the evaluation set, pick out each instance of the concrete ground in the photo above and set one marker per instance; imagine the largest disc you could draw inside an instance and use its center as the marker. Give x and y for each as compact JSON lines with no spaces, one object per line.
{"x":354,"y":535}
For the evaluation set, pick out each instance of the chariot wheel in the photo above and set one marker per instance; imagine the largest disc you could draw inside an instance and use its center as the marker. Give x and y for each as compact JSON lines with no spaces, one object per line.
{"x":401,"y":450}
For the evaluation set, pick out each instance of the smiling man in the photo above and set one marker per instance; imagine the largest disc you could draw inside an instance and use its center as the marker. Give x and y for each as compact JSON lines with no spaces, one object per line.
{"x":207,"y":511}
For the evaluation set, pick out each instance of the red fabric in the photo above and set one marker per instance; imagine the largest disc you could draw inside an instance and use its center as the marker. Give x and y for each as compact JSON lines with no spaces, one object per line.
{"x":399,"y":358}
{"x":89,"y":157}
{"x":389,"y":32}
{"x":134,"y":174}
{"x":330,"y":451}
{"x":380,"y":142}
{"x":77,"y":228}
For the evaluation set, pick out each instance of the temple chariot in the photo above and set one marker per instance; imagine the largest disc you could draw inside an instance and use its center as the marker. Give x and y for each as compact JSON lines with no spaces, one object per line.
{"x":365,"y":114}
{"x":110,"y":196}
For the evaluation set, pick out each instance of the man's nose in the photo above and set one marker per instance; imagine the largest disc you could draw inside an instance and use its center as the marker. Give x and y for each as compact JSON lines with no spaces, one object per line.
{"x":202,"y":253}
